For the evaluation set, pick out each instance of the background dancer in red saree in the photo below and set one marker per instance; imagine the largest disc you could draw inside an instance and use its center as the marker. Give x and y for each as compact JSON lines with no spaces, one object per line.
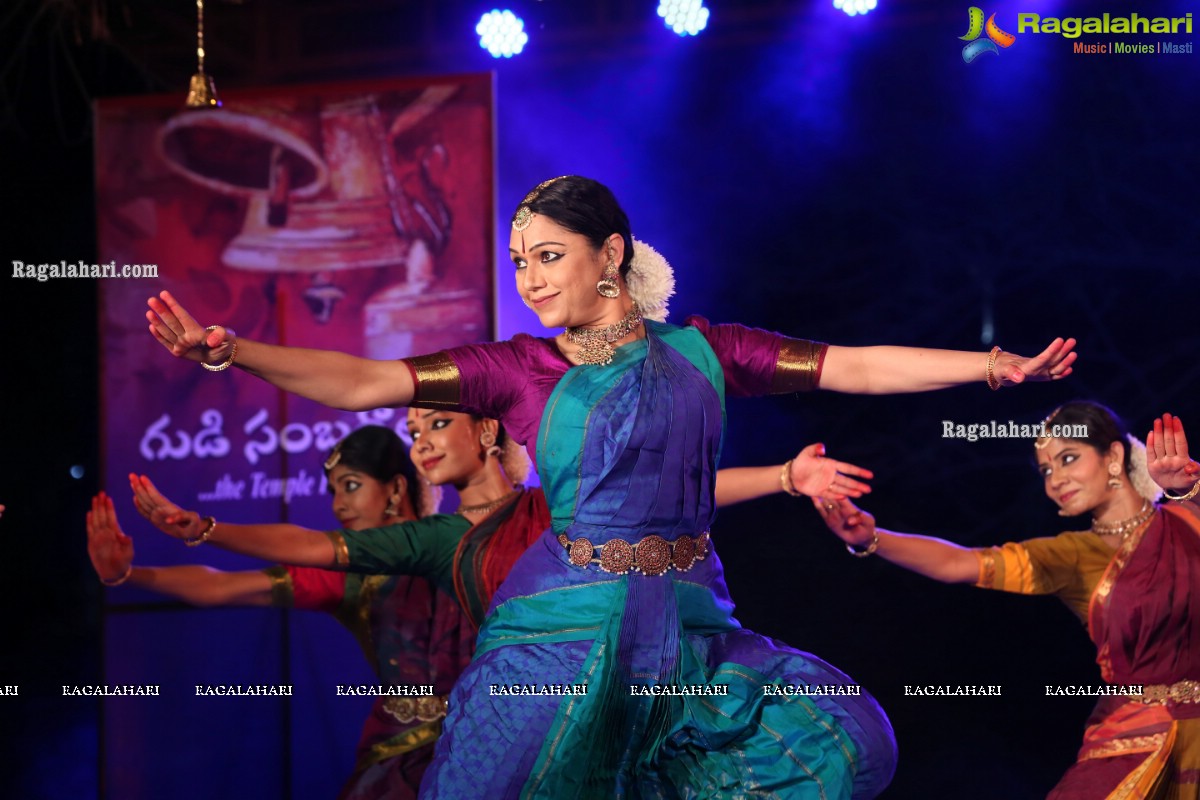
{"x":1133,"y":578}
{"x":412,"y":633}
{"x":623,"y":591}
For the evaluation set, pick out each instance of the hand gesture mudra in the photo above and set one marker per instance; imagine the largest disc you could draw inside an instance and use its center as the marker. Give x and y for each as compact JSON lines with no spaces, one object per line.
{"x":176,"y":330}
{"x":109,"y":548}
{"x":813,"y":474}
{"x":1052,"y":364}
{"x":162,"y":513}
{"x":1167,"y":458}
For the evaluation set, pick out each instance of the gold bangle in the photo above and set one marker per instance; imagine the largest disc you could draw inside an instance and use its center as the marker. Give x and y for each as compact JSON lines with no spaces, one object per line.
{"x":785,"y":479}
{"x":871,"y":548}
{"x":196,"y":541}
{"x":227,"y":363}
{"x":992,"y":383}
{"x":1194,"y":491}
{"x":120,"y":580}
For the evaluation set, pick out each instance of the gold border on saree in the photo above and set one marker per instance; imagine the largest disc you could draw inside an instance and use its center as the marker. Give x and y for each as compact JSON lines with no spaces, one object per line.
{"x":652,"y":555}
{"x":1125,"y":746}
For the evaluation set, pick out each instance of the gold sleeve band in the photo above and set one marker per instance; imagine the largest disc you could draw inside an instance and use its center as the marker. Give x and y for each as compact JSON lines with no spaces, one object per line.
{"x":1007,"y":568}
{"x":283,"y":594}
{"x":341,"y":553}
{"x":798,"y":367}
{"x":987,"y":568}
{"x":437,"y":380}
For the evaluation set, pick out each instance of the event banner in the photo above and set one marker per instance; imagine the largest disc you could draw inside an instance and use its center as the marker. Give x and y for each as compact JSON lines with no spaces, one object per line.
{"x":354,"y":217}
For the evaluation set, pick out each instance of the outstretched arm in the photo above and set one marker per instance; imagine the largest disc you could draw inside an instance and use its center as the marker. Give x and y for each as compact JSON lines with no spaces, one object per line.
{"x":896,"y":370}
{"x":1167,"y":459}
{"x":111,"y":552}
{"x":934,"y":558}
{"x":809,"y":473}
{"x":279,"y":542}
{"x":333,"y":379}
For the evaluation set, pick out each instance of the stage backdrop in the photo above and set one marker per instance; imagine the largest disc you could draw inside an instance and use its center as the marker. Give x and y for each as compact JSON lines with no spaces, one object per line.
{"x":354,"y":217}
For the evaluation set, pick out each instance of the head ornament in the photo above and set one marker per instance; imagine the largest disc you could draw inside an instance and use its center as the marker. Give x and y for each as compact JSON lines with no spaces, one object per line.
{"x":524,"y":214}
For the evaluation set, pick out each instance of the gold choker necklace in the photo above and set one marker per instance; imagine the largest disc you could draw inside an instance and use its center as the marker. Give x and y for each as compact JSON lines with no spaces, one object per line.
{"x":1125,"y":526}
{"x":488,"y":507}
{"x":596,"y":344}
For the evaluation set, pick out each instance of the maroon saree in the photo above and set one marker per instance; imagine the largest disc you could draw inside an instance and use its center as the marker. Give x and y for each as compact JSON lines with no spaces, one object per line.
{"x":1144,"y":617}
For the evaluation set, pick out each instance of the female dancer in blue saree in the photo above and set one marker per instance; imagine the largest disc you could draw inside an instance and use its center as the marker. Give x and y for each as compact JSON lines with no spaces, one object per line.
{"x":623,"y":592}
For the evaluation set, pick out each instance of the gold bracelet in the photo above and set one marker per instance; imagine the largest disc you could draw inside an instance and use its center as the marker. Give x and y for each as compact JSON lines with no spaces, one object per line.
{"x":1194,"y":491}
{"x":871,"y":548}
{"x":227,"y":363}
{"x":992,"y":383}
{"x":785,"y":479}
{"x":196,"y":541}
{"x":120,"y":580}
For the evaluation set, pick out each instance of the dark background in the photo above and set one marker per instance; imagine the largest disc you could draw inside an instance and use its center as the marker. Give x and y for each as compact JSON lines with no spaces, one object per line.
{"x":849,"y":180}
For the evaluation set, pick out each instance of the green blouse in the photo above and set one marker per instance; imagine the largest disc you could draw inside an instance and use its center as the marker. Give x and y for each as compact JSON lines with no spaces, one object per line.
{"x":424,"y":547}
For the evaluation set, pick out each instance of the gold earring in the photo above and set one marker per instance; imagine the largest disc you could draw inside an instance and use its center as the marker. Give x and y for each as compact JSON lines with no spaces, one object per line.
{"x":393,"y":506}
{"x":1114,"y":471}
{"x":608,"y":286}
{"x":488,"y":440}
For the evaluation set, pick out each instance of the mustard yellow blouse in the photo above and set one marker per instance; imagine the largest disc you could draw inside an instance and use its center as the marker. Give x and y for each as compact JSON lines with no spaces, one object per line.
{"x":1069,"y":566}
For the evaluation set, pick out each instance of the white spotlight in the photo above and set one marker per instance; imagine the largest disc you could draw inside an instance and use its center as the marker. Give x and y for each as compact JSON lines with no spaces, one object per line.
{"x":685,"y":17}
{"x":853,"y":7}
{"x":501,"y":33}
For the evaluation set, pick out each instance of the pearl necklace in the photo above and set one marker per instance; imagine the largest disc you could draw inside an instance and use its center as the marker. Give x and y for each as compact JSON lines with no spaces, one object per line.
{"x":1125,"y":526}
{"x":596,"y":344}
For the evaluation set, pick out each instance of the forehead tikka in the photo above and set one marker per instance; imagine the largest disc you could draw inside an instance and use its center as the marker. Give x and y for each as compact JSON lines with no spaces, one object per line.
{"x":521,"y":220}
{"x":1042,"y":441}
{"x":524,"y":214}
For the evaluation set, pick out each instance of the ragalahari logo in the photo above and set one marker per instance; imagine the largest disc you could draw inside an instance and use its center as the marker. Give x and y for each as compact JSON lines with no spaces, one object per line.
{"x":995,"y":36}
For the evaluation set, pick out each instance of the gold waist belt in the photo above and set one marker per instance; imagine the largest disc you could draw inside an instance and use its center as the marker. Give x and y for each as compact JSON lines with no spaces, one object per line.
{"x":1187,"y":691}
{"x":408,"y":709}
{"x":652,"y":555}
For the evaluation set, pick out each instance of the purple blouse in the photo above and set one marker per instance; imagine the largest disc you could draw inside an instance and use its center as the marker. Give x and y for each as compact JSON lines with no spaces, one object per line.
{"x":513,"y":380}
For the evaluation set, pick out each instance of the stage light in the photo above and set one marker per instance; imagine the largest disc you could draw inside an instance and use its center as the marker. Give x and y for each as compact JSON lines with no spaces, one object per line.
{"x":501,"y":33}
{"x":77,"y":471}
{"x":853,"y":7}
{"x":685,"y":17}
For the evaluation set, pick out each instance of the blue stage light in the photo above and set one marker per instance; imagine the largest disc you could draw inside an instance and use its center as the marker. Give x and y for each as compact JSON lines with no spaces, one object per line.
{"x":501,"y":33}
{"x":853,"y":7}
{"x":685,"y":17}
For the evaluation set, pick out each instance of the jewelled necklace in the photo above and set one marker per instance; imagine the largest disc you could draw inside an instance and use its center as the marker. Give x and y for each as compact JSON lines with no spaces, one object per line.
{"x":596,"y":344}
{"x":488,"y":507}
{"x":1125,"y":526}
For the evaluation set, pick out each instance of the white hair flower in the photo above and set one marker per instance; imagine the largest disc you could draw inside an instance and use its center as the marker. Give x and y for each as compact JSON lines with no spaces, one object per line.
{"x":651,"y":281}
{"x":1139,"y":475}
